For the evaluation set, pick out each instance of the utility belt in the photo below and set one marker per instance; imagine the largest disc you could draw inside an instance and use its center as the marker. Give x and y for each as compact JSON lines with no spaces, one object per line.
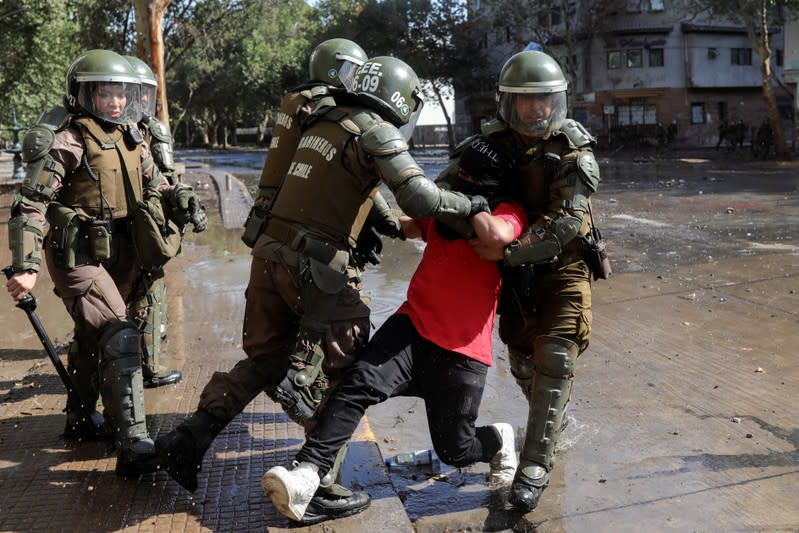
{"x":334,"y":257}
{"x":76,"y":240}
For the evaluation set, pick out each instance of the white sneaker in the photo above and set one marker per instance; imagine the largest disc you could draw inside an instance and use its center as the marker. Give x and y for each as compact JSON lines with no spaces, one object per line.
{"x":504,"y":463}
{"x":291,"y":490}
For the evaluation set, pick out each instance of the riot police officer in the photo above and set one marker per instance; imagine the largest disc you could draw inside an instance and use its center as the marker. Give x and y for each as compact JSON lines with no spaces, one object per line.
{"x":545,"y":310}
{"x":150,"y":311}
{"x":271,"y":317}
{"x":84,"y":161}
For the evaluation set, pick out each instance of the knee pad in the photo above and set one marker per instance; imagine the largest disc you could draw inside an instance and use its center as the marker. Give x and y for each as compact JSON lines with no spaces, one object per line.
{"x":119,"y":340}
{"x":522,"y":368}
{"x":554,"y":356}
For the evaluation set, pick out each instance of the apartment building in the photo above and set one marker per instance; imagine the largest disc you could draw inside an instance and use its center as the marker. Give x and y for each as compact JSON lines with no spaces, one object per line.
{"x":639,"y":63}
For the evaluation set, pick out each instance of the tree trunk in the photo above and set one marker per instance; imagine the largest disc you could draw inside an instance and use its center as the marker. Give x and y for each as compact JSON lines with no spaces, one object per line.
{"x":150,"y":46}
{"x":450,"y":129}
{"x":761,"y":44}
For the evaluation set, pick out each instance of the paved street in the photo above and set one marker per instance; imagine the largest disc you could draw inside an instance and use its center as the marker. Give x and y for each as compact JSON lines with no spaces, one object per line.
{"x":682,"y":416}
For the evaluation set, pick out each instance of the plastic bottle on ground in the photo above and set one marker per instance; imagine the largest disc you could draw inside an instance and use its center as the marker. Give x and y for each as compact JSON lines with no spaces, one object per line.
{"x":414,"y":459}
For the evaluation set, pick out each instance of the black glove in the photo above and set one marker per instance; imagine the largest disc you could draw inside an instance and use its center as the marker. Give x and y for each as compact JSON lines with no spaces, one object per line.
{"x":390,"y":227}
{"x":368,"y":248}
{"x":479,"y":205}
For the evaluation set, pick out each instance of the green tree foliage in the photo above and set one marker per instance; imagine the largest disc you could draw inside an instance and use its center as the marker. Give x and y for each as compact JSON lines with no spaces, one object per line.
{"x":229,"y":62}
{"x":37,"y":43}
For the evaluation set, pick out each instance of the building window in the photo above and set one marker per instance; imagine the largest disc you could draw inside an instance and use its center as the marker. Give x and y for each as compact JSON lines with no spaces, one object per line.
{"x":635,"y":58}
{"x":633,"y":6}
{"x":778,"y":57}
{"x":508,"y":34}
{"x":697,"y":113}
{"x":614,"y":59}
{"x":656,"y":5}
{"x":637,"y":113}
{"x":741,"y":56}
{"x":655,"y":57}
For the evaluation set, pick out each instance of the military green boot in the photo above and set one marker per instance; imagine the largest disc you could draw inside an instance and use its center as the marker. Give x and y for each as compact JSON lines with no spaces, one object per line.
{"x":150,"y":319}
{"x":181,"y":451}
{"x":123,"y":397}
{"x":554,"y":359}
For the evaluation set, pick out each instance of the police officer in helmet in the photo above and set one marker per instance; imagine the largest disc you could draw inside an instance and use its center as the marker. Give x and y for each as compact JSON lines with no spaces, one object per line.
{"x":281,"y":299}
{"x":545,"y":309}
{"x":78,"y":158}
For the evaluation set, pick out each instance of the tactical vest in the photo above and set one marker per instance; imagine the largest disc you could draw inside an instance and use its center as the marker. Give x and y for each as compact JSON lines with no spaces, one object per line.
{"x":81,"y":189}
{"x":319,"y":195}
{"x":286,"y":135}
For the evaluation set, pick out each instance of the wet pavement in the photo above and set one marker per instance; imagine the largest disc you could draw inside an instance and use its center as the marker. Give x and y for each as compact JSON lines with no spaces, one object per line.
{"x":682,"y":415}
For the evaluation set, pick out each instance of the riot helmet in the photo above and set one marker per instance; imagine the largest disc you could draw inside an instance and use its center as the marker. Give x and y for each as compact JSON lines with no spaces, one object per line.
{"x":101,"y":83}
{"x":392,"y":88}
{"x":149,"y":85}
{"x":335,"y":61}
{"x":531,"y":94}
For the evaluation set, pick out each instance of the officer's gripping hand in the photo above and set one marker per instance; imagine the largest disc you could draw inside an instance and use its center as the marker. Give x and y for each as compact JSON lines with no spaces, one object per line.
{"x":390,"y":227}
{"x":479,"y":205}
{"x":198,"y":217}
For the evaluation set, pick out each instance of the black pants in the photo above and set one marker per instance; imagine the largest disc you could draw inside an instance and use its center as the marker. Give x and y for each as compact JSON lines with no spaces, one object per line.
{"x":399,"y":362}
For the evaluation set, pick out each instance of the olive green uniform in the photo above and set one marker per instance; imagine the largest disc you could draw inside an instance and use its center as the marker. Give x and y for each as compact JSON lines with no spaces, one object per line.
{"x":150,"y":310}
{"x":545,"y":312}
{"x":74,"y":181}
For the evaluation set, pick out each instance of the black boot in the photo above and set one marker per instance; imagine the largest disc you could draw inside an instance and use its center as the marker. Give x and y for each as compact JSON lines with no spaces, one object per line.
{"x":528,"y":485}
{"x":335,"y":501}
{"x":170,"y":377}
{"x":137,"y":459}
{"x":181,"y":451}
{"x":75,"y":430}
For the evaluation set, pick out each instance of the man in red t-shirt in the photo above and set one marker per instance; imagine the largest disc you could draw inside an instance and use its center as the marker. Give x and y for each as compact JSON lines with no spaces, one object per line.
{"x":437,"y":346}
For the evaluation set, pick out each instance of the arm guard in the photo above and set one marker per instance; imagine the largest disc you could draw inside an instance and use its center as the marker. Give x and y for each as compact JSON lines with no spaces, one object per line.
{"x":576,"y":178}
{"x":25,"y":234}
{"x":416,"y":195}
{"x":161,"y":147}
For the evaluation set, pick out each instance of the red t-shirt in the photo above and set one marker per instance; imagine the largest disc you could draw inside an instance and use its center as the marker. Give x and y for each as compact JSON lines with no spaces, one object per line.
{"x":452,"y":297}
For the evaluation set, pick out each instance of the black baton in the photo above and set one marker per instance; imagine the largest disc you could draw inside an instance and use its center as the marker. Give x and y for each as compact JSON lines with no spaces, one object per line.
{"x":28,"y":304}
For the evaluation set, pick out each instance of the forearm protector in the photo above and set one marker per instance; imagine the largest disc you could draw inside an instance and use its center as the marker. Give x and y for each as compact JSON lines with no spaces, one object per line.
{"x":25,"y":235}
{"x":542,"y":242}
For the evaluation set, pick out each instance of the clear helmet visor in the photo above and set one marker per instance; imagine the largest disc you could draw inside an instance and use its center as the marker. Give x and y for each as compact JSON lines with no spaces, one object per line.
{"x":115,"y":102}
{"x":148,"y":98}
{"x":407,"y":128}
{"x":346,"y":72}
{"x":534,"y":114}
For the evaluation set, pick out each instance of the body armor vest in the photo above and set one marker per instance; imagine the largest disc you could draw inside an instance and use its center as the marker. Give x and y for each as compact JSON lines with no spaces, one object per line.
{"x":286,"y":135}
{"x":101,"y":186}
{"x":319,"y":194}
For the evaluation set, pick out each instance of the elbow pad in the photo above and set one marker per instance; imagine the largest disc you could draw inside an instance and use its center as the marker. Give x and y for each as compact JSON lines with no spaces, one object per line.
{"x":419,"y":197}
{"x":42,"y":172}
{"x":161,"y":146}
